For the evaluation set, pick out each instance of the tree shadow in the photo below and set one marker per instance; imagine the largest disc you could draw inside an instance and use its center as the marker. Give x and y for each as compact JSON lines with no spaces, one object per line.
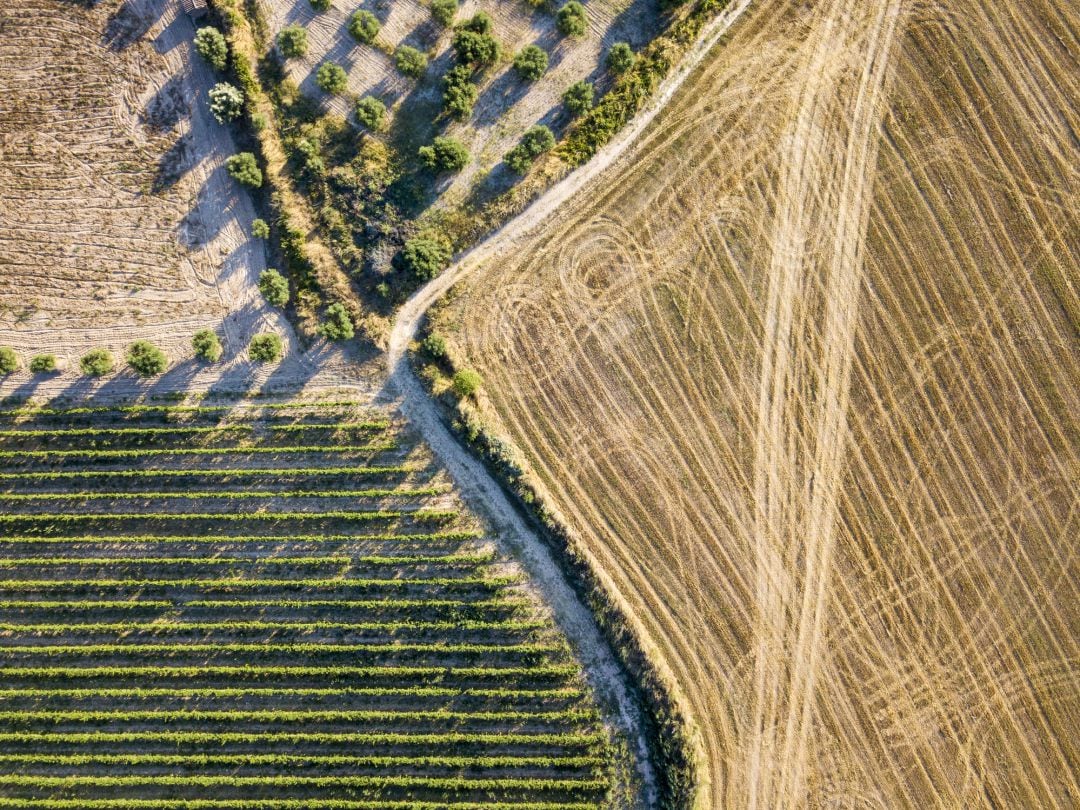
{"x":207,"y":216}
{"x":126,"y":26}
{"x":167,"y":107}
{"x":173,"y":164}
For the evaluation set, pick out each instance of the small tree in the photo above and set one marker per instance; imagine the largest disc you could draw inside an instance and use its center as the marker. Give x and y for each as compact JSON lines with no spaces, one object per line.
{"x":434,"y":346}
{"x":474,"y":48}
{"x":459,"y":92}
{"x":274,"y":287}
{"x":292,"y":41}
{"x":206,"y":345}
{"x":466,"y":382}
{"x":531,"y":62}
{"x":424,"y":257}
{"x":321,"y":5}
{"x":244,"y":169}
{"x":443,"y":11}
{"x":210,"y":44}
{"x":226,"y":102}
{"x":534,"y":143}
{"x":146,"y":359}
{"x":265,"y":347}
{"x":578,"y":97}
{"x":478,"y":23}
{"x":445,"y":154}
{"x":260,"y":229}
{"x":571,"y":19}
{"x":332,"y":78}
{"x":9,"y":361}
{"x":43,"y":363}
{"x":337,"y":324}
{"x":364,"y":27}
{"x":96,"y":363}
{"x":410,"y":61}
{"x":371,"y":112}
{"x":620,"y":58}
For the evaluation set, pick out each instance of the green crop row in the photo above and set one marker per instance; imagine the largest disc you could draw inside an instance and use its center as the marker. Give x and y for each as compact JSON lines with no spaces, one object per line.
{"x":299,"y":761}
{"x":139,"y":409}
{"x":262,"y":538}
{"x":508,"y":625}
{"x":299,"y":648}
{"x":488,"y":582}
{"x":147,"y":452}
{"x":216,"y":472}
{"x":280,"y":804}
{"x":224,"y":494}
{"x":15,"y":718}
{"x":481,"y":558}
{"x":457,"y":783}
{"x":257,"y":674}
{"x":366,"y":604}
{"x":376,"y":514}
{"x":141,"y":693}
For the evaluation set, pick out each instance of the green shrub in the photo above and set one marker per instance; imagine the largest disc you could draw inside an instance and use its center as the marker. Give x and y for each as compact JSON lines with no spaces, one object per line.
{"x":459,"y":92}
{"x":226,"y":102}
{"x":292,"y":41}
{"x":146,"y":359}
{"x":244,"y":169}
{"x":571,"y":20}
{"x":274,"y":287}
{"x":443,"y":11}
{"x":96,"y":362}
{"x":424,"y":257}
{"x":260,"y":229}
{"x":478,"y":23}
{"x":266,"y":347}
{"x":364,"y":26}
{"x":9,"y":361}
{"x":578,"y":97}
{"x":533,"y":144}
{"x":466,"y":382}
{"x":331,"y":78}
{"x":410,"y":61}
{"x":371,"y":112}
{"x":531,"y":62}
{"x":43,"y":363}
{"x":337,"y":324}
{"x":321,"y":5}
{"x":620,"y":58}
{"x":210,"y":44}
{"x":445,"y":154}
{"x":473,"y":48}
{"x":207,"y":346}
{"x":434,"y":346}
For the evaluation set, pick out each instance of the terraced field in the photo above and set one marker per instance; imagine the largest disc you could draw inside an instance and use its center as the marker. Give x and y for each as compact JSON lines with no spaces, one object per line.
{"x":272,"y":606}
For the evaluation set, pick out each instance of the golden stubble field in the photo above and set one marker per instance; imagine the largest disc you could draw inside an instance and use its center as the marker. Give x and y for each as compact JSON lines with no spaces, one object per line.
{"x":802,"y":373}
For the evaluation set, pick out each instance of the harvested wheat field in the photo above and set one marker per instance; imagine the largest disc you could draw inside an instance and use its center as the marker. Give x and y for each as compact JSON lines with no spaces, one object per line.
{"x":802,"y":374}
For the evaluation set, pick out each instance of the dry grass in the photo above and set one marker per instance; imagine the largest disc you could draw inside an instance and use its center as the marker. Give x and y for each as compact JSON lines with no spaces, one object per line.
{"x":802,"y":373}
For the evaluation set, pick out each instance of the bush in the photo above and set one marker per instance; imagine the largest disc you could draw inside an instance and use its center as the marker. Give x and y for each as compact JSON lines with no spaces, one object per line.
{"x":459,"y":92}
{"x":364,"y":26}
{"x":472,"y":48}
{"x":260,"y":229}
{"x":146,"y":359}
{"x":338,"y":325}
{"x":371,"y":112}
{"x":226,"y":102}
{"x":243,"y":168}
{"x":571,"y":20}
{"x":43,"y":363}
{"x":210,"y":44}
{"x":321,"y":5}
{"x":9,"y":361}
{"x":410,"y":61}
{"x":445,"y":154}
{"x":96,"y":362}
{"x":443,"y":11}
{"x":207,"y":346}
{"x":478,"y":23}
{"x":531,"y":62}
{"x":466,"y":382}
{"x":274,"y":287}
{"x":578,"y":97}
{"x":533,"y":144}
{"x":292,"y":41}
{"x":620,"y":58}
{"x":434,"y":346}
{"x":332,"y":78}
{"x":424,"y":257}
{"x":265,"y":347}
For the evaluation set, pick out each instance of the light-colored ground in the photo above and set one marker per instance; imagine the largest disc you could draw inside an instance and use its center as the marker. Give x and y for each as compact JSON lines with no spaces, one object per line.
{"x":507,"y":105}
{"x":117,"y":218}
{"x":802,"y":372}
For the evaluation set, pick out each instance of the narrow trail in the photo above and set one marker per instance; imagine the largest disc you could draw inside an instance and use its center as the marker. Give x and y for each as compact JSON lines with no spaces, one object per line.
{"x":477,"y":486}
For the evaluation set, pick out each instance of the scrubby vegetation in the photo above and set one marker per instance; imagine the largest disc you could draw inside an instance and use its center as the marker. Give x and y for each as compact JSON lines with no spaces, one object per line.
{"x":244,"y":169}
{"x":371,"y":112}
{"x":210,"y":45}
{"x":96,"y":362}
{"x":620,"y":58}
{"x":531,"y":62}
{"x":292,"y":41}
{"x":266,"y":347}
{"x":331,"y":78}
{"x":9,"y":361}
{"x":364,"y":26}
{"x":226,"y":102}
{"x":260,"y":229}
{"x":146,"y":359}
{"x":424,"y":257}
{"x":337,"y":325}
{"x":459,"y":92}
{"x":206,"y":345}
{"x":444,"y":154}
{"x":43,"y":363}
{"x":578,"y":97}
{"x":444,"y":10}
{"x":410,"y":61}
{"x":535,"y":142}
{"x":274,"y":287}
{"x":571,"y":19}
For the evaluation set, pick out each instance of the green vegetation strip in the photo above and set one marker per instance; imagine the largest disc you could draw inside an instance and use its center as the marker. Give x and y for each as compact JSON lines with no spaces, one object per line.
{"x":254,"y":673}
{"x":377,"y":560}
{"x":147,"y":452}
{"x":302,"y":761}
{"x":231,"y":691}
{"x":217,"y":472}
{"x":300,"y":648}
{"x":289,"y":716}
{"x":374,"y":514}
{"x":296,"y":626}
{"x":83,"y":605}
{"x":140,"y":409}
{"x":281,"y":804}
{"x":216,"y":739}
{"x":187,"y":430}
{"x":229,"y":538}
{"x":226,"y":494}
{"x":250,"y":584}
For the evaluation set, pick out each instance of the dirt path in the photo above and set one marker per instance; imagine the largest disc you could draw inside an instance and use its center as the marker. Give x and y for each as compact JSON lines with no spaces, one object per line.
{"x":476,"y":484}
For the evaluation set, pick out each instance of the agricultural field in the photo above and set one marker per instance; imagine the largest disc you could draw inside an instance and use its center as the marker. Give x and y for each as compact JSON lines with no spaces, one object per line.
{"x":255,"y":606}
{"x":118,"y":220}
{"x":801,"y":374}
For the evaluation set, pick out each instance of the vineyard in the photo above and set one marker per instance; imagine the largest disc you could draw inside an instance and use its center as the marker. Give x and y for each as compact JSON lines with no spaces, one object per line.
{"x":269,"y":606}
